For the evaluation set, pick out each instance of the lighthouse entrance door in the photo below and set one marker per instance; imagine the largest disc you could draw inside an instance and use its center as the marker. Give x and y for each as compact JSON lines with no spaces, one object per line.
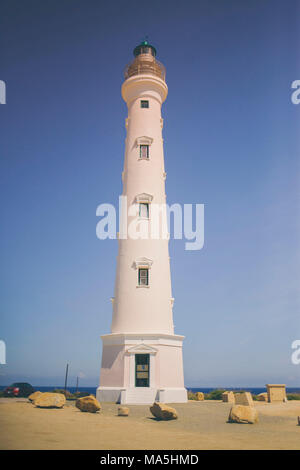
{"x":142,"y":370}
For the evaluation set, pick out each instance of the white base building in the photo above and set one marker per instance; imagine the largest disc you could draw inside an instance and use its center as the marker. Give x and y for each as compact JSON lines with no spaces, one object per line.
{"x":122,"y":355}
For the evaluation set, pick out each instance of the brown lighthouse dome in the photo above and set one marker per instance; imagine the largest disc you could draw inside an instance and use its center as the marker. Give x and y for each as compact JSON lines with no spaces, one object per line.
{"x":145,"y":62}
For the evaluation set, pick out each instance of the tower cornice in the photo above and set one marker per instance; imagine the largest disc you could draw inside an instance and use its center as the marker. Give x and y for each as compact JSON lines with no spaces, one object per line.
{"x":144,"y":85}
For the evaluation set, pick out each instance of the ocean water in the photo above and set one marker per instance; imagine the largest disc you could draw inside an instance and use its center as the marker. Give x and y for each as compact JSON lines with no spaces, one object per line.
{"x":92,"y":390}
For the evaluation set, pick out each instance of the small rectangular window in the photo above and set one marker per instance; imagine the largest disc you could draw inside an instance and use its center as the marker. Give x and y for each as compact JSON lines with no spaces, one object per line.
{"x":144,"y":210}
{"x":143,"y":277}
{"x":144,"y":151}
{"x":144,"y":104}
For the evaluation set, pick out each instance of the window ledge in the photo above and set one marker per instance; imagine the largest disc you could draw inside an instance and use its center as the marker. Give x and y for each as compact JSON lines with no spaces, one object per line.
{"x":144,"y":140}
{"x":144,"y":158}
{"x":145,"y":287}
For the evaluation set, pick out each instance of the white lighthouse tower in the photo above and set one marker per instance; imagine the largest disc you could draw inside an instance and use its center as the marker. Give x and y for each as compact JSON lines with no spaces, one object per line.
{"x":142,"y":357}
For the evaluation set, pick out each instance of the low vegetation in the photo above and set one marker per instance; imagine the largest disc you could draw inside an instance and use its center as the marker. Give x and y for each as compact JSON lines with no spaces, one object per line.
{"x":215,"y":394}
{"x":191,"y":395}
{"x":69,"y":395}
{"x":293,"y":396}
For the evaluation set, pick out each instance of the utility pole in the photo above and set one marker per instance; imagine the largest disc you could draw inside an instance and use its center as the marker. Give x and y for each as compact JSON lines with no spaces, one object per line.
{"x":66,"y":378}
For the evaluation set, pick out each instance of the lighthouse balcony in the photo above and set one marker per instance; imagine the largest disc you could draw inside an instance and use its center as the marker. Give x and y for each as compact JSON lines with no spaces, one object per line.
{"x":145,"y":64}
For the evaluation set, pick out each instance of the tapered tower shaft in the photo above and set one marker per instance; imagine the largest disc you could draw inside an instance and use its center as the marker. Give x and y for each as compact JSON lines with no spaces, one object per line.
{"x":143,"y":307}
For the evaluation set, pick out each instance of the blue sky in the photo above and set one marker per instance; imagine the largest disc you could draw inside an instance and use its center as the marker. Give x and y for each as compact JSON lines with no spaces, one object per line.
{"x":231,"y":139}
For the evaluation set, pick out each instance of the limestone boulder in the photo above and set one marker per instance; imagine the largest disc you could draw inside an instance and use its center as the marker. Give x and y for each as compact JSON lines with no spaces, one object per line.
{"x":262,"y":397}
{"x":199,"y":396}
{"x":228,"y":397}
{"x":34,"y":396}
{"x":89,"y":404}
{"x":123,"y":411}
{"x":243,"y":414}
{"x":162,"y":411}
{"x":50,"y":400}
{"x":276,"y":392}
{"x":243,"y":398}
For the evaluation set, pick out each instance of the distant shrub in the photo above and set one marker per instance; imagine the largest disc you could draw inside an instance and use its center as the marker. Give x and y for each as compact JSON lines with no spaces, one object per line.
{"x":214,"y":394}
{"x":1,"y":393}
{"x":293,"y":396}
{"x":81,"y":394}
{"x":60,"y":390}
{"x":68,"y":395}
{"x":191,"y":395}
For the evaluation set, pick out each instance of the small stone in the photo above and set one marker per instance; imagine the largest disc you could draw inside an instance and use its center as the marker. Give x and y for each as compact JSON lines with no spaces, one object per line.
{"x":298,"y":420}
{"x":199,"y":396}
{"x":243,"y":414}
{"x":123,"y":411}
{"x":34,"y":396}
{"x":262,"y":397}
{"x":228,"y":397}
{"x":276,"y":392}
{"x":89,"y":404}
{"x":244,"y":398}
{"x":50,"y":400}
{"x":162,"y":411}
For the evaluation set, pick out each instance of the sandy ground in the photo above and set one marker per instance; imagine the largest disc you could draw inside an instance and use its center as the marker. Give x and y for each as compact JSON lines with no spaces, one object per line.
{"x":201,"y":425}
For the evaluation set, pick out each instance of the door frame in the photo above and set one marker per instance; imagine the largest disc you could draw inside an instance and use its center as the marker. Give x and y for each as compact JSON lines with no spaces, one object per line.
{"x":136,"y":371}
{"x":142,"y":349}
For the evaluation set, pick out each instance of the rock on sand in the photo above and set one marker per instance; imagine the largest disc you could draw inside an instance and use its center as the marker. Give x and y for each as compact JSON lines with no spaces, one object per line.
{"x":199,"y":396}
{"x":89,"y":404}
{"x":34,"y":396}
{"x":228,"y":397}
{"x":162,"y":411}
{"x":123,"y":411}
{"x":243,"y":398}
{"x":243,"y":414}
{"x":262,"y":397}
{"x":50,"y":400}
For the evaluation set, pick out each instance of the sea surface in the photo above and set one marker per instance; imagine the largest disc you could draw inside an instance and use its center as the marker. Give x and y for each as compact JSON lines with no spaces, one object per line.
{"x":92,"y":390}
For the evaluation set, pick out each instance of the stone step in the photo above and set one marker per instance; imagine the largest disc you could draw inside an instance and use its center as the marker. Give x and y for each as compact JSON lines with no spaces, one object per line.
{"x":139,"y":396}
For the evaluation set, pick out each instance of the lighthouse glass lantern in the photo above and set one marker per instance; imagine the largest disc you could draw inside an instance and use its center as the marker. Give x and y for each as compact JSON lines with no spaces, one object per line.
{"x":142,"y":356}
